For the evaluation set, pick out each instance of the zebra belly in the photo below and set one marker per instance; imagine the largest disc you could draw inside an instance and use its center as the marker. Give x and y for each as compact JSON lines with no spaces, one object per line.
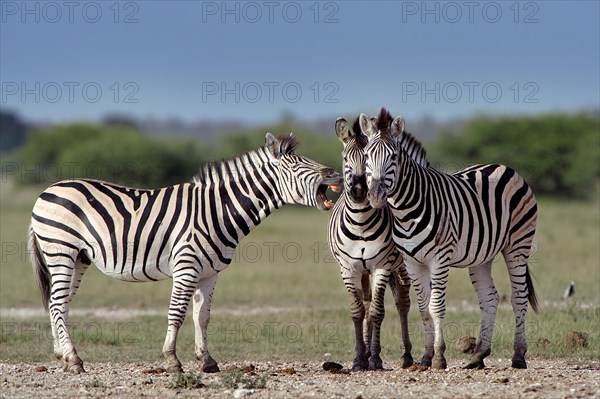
{"x":138,"y":272}
{"x":360,"y":256}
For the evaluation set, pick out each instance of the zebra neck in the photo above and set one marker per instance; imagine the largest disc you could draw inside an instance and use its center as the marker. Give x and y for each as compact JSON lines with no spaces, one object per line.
{"x":359,"y":219}
{"x":241,"y":192}
{"x":411,"y":186}
{"x":359,"y":211}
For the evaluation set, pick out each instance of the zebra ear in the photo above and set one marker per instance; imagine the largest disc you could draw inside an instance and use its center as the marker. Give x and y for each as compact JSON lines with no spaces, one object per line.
{"x":397,"y":127}
{"x":366,"y":125}
{"x":342,"y":130}
{"x":272,"y":145}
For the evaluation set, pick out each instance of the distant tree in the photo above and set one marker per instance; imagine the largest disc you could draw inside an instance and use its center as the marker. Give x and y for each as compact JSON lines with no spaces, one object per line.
{"x":118,"y":154}
{"x":120,"y":120}
{"x":12,"y":131}
{"x":558,"y":154}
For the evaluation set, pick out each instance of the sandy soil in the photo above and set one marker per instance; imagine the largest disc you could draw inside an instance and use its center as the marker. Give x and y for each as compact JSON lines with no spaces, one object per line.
{"x":543,"y":379}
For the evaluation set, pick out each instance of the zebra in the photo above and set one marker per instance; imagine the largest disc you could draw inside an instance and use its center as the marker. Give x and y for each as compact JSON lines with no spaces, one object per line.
{"x":459,"y":220}
{"x":360,"y":239}
{"x":187,"y":232}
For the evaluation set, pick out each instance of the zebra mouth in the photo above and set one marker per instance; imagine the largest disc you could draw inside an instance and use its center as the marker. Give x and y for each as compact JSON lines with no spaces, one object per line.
{"x":323,"y":202}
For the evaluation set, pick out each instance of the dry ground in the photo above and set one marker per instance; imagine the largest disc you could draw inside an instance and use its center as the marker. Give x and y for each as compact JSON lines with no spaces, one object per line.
{"x":544,"y":379}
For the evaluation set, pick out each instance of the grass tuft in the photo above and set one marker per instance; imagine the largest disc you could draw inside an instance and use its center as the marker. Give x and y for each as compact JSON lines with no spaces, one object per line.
{"x":95,"y":383}
{"x":189,"y":380}
{"x":238,"y":379}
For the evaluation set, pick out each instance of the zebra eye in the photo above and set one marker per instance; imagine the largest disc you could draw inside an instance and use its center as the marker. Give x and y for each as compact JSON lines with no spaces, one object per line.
{"x":394,"y":156}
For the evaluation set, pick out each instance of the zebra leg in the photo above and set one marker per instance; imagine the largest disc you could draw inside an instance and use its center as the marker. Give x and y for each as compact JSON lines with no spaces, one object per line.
{"x":367,"y":296}
{"x":481,"y":278}
{"x":185,"y":282}
{"x":518,"y":272}
{"x":401,"y":292}
{"x":377,"y":313}
{"x":353,"y":284}
{"x":66,"y":272}
{"x":419,"y":275}
{"x":437,"y":309}
{"x":202,"y":299}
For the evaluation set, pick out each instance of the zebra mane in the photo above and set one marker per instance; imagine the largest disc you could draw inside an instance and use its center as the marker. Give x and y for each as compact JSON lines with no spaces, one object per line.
{"x":383,"y":123}
{"x":408,"y":142}
{"x":222,"y":170}
{"x":414,"y":149}
{"x":360,"y":138}
{"x":287,"y":144}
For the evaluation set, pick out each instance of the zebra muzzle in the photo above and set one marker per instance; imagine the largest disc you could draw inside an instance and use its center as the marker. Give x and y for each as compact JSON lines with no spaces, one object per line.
{"x":331,"y":180}
{"x":377,"y":194}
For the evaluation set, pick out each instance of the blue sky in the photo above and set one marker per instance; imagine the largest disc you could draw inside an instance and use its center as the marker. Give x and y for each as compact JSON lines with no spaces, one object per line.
{"x":255,"y":61}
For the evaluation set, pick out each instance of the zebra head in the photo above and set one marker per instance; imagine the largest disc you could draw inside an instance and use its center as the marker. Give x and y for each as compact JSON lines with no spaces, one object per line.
{"x":300,"y":179}
{"x":381,"y":154}
{"x":354,"y":159}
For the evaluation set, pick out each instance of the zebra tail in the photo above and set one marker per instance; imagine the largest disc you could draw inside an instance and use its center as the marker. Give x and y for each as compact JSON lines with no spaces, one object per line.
{"x":531,"y":296}
{"x":40,"y":269}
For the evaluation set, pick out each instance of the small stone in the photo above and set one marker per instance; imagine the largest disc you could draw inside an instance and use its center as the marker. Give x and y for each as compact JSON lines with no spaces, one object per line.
{"x":248,"y":368}
{"x":336,"y":371}
{"x":466,"y":344}
{"x":533,"y":387}
{"x":288,"y":371}
{"x":328,"y":366}
{"x":502,"y":380}
{"x":156,"y":370}
{"x":242,"y":393}
{"x":41,"y":369}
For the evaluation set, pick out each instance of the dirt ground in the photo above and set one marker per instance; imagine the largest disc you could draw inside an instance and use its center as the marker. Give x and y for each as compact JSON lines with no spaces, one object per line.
{"x":543,"y":379}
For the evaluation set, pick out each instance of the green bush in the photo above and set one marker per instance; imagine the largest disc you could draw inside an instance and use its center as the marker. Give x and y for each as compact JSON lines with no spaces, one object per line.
{"x":557,"y":154}
{"x":118,"y":154}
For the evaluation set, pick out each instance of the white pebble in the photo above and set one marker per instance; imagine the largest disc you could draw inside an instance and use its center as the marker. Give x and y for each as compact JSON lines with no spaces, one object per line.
{"x":242,"y":393}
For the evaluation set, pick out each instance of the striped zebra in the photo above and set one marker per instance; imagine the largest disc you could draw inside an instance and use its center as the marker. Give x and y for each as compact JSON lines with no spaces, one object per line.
{"x":186,"y":232}
{"x":460,"y":220}
{"x":360,"y":239}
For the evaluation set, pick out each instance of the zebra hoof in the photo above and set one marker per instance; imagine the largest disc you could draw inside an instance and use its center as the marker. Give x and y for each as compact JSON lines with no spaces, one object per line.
{"x":519,"y":363}
{"x":360,"y":363}
{"x":425,"y":362}
{"x":439,"y":363}
{"x":211,"y":368}
{"x":174,"y":369}
{"x":375,"y":363}
{"x":407,"y":360}
{"x":475,"y":364}
{"x":76,"y":368}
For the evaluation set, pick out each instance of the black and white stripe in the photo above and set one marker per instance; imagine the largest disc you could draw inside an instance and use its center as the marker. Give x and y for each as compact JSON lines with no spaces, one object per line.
{"x":459,"y":220}
{"x":186,"y":232}
{"x":360,"y":239}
